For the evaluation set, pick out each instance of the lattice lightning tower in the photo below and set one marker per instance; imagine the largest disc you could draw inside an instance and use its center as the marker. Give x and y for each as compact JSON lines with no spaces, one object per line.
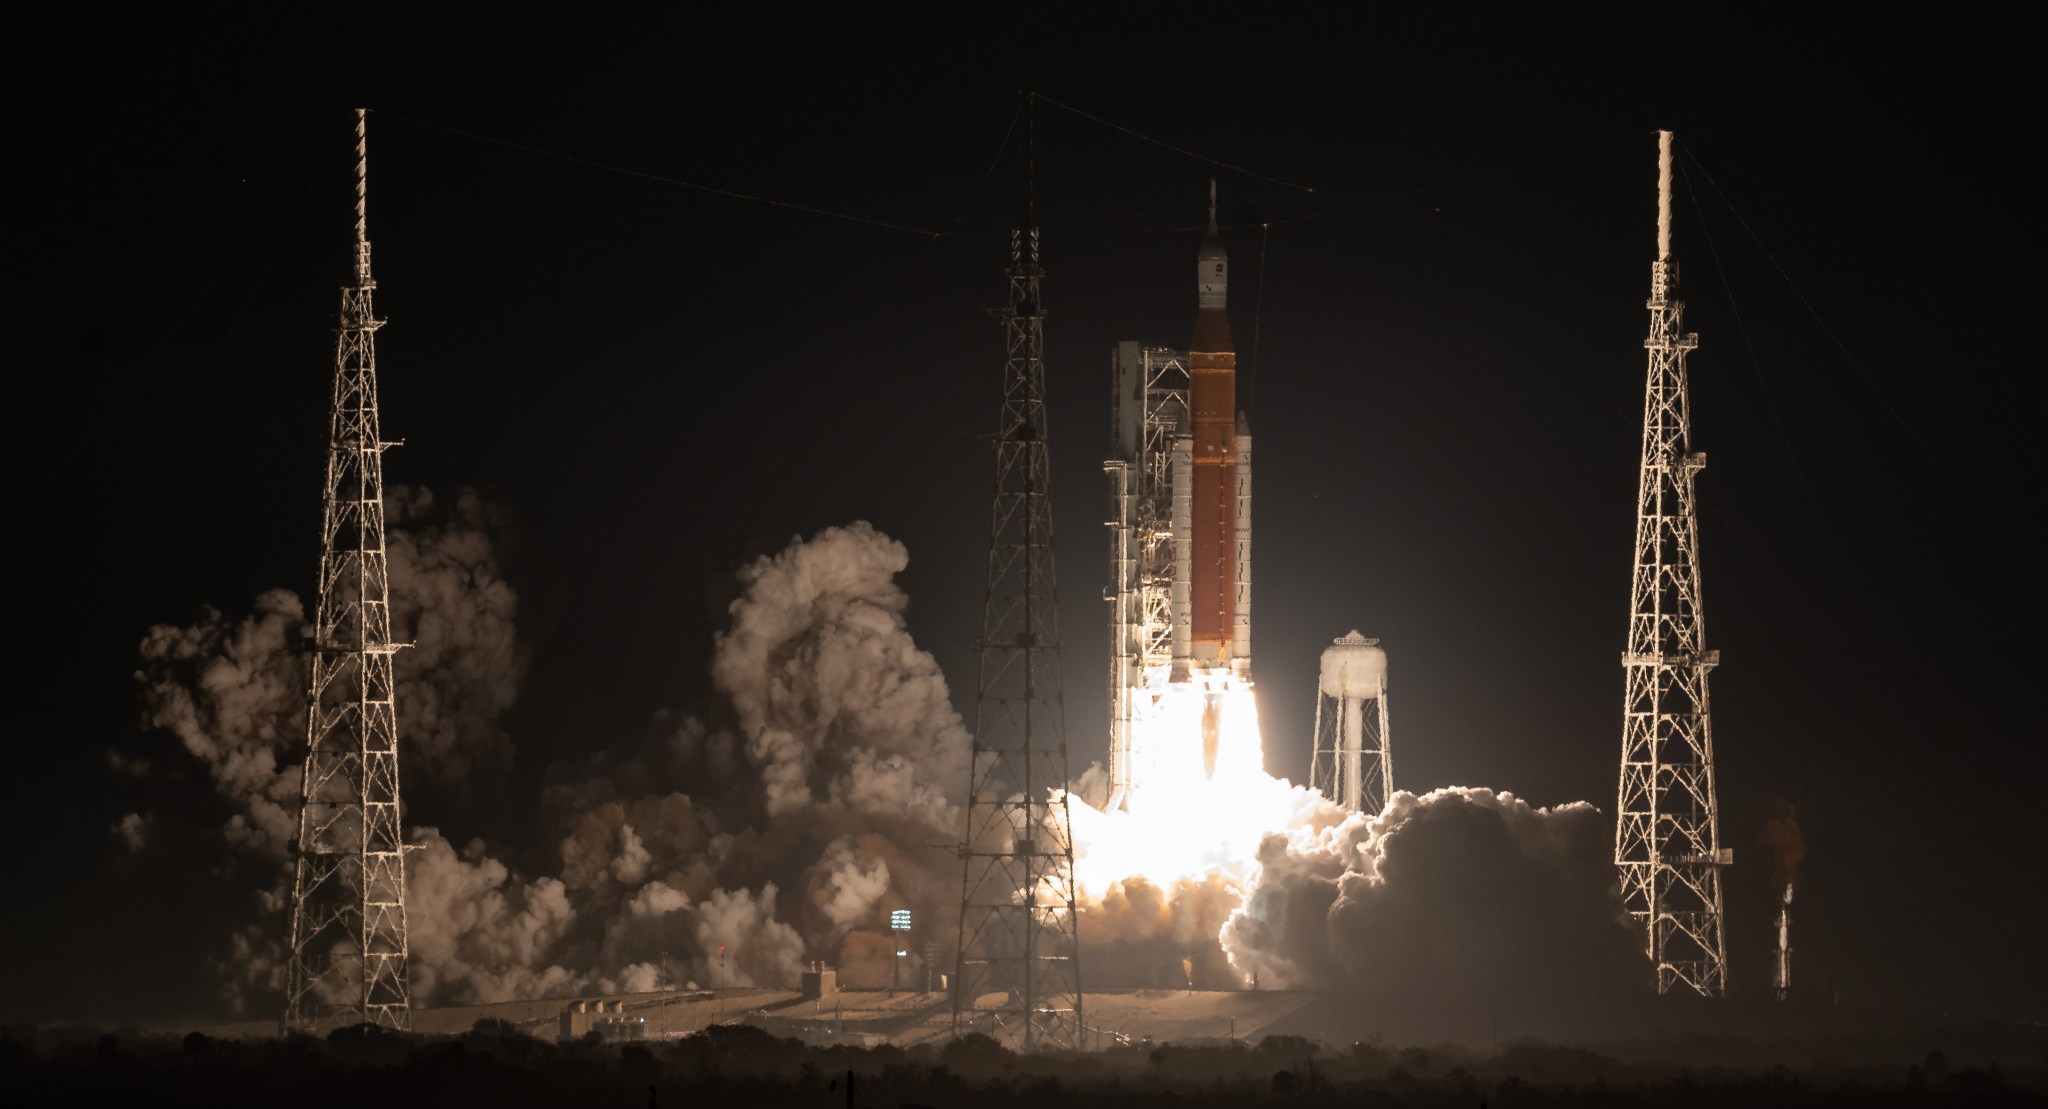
{"x":348,"y":942}
{"x":1017,"y":918}
{"x":1667,"y":839}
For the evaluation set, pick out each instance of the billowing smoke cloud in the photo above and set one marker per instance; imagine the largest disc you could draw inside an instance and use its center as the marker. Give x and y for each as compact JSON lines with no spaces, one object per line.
{"x":781,"y":822}
{"x":450,"y":602}
{"x":1140,"y":934}
{"x":728,"y":848}
{"x":233,"y":691}
{"x":829,"y":690}
{"x":1457,"y":897}
{"x":736,"y":844}
{"x":478,"y":931}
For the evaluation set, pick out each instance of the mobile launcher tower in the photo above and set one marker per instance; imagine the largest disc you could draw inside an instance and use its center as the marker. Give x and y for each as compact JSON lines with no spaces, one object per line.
{"x":1180,"y":541}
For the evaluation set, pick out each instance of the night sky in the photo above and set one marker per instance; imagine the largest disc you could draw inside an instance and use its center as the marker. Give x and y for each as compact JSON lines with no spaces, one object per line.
{"x":652,"y":383}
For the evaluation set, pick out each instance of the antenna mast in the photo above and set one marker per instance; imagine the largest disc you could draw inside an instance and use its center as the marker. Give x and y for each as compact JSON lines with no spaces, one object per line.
{"x":1667,"y":828}
{"x":348,"y":938}
{"x":1017,"y":917}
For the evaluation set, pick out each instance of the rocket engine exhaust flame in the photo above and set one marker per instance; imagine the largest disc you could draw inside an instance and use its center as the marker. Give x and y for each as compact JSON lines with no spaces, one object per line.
{"x":1212,"y":713}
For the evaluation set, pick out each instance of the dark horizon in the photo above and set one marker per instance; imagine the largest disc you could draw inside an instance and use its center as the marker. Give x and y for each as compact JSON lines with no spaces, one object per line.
{"x":1439,"y":349}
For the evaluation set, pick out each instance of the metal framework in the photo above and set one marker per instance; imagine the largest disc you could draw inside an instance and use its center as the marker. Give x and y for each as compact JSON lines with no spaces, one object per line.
{"x":1149,"y":419}
{"x":1667,"y":839}
{"x":348,"y":937}
{"x":1353,"y":761}
{"x":1017,"y":917}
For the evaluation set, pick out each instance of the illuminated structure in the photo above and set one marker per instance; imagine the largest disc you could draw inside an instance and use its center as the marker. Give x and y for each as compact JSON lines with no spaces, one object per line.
{"x":1353,"y":763}
{"x":1781,"y":973}
{"x":348,"y":940}
{"x":1180,"y":544}
{"x":1667,"y":831}
{"x":1017,"y":919}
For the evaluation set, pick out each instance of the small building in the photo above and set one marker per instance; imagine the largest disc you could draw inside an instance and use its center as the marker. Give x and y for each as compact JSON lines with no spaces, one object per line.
{"x":819,"y":982}
{"x":606,"y":1018}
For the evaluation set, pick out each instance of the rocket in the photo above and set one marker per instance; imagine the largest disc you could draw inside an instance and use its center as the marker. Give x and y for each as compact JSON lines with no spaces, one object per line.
{"x":1218,"y":534}
{"x":1180,"y":544}
{"x":1212,"y":403}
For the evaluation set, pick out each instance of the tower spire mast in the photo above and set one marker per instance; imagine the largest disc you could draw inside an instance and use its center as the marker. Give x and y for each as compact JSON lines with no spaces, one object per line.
{"x":1017,"y":915}
{"x":1667,"y":829}
{"x":348,"y":959}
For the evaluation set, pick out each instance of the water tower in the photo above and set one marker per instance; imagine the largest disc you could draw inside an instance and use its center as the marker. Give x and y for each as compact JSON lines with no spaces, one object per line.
{"x":1353,"y":763}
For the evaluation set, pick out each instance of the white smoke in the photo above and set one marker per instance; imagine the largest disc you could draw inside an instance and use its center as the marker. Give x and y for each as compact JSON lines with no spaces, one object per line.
{"x":234,"y":694}
{"x":827,"y":772}
{"x":234,"y":691}
{"x":829,"y":688}
{"x":450,"y":602}
{"x":478,"y":932}
{"x":135,"y":830}
{"x":846,"y":884}
{"x":783,"y":823}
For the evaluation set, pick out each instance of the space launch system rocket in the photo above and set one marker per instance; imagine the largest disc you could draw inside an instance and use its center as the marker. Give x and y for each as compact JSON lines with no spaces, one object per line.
{"x":1217,"y":538}
{"x":1180,"y":536}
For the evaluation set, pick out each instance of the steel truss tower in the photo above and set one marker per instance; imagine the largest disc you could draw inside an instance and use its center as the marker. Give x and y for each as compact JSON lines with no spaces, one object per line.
{"x":348,"y":941}
{"x":1017,"y":918}
{"x":1667,"y":829}
{"x":1148,"y":418}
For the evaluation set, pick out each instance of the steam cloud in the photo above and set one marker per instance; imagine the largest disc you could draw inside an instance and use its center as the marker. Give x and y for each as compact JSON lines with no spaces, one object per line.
{"x":782,"y":822}
{"x":725,"y":849}
{"x":1139,"y":933}
{"x":1456,"y":896}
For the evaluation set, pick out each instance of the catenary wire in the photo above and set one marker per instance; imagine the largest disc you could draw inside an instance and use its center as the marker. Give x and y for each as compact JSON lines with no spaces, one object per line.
{"x":150,"y":361}
{"x":1813,"y":508}
{"x":661,"y":178}
{"x":1962,"y":495}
